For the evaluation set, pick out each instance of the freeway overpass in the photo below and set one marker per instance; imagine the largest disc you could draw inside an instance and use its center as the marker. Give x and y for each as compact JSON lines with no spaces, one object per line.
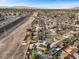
{"x":12,"y":35}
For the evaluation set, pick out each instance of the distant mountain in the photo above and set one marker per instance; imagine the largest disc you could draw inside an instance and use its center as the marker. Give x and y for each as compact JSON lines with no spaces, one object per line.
{"x":18,"y":7}
{"x":4,"y":7}
{"x":75,"y":8}
{"x":21,"y":7}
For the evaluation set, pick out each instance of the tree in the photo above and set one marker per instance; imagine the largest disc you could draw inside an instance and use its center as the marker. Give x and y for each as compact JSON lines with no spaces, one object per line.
{"x":77,"y":22}
{"x":0,"y":15}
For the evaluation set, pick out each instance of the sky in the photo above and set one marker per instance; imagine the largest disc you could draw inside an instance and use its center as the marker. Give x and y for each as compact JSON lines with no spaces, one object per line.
{"x":50,"y":4}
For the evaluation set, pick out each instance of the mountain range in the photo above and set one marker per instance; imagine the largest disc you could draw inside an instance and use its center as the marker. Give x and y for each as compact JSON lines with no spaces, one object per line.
{"x":25,"y":7}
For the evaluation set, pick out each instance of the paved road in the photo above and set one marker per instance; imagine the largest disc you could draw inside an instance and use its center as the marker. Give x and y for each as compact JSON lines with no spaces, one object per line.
{"x":13,"y":25}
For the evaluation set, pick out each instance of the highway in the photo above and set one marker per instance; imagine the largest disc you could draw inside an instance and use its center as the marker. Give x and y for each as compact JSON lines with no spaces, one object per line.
{"x":13,"y":25}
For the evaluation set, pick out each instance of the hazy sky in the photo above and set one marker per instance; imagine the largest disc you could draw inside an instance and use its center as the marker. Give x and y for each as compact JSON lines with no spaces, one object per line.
{"x":41,"y":3}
